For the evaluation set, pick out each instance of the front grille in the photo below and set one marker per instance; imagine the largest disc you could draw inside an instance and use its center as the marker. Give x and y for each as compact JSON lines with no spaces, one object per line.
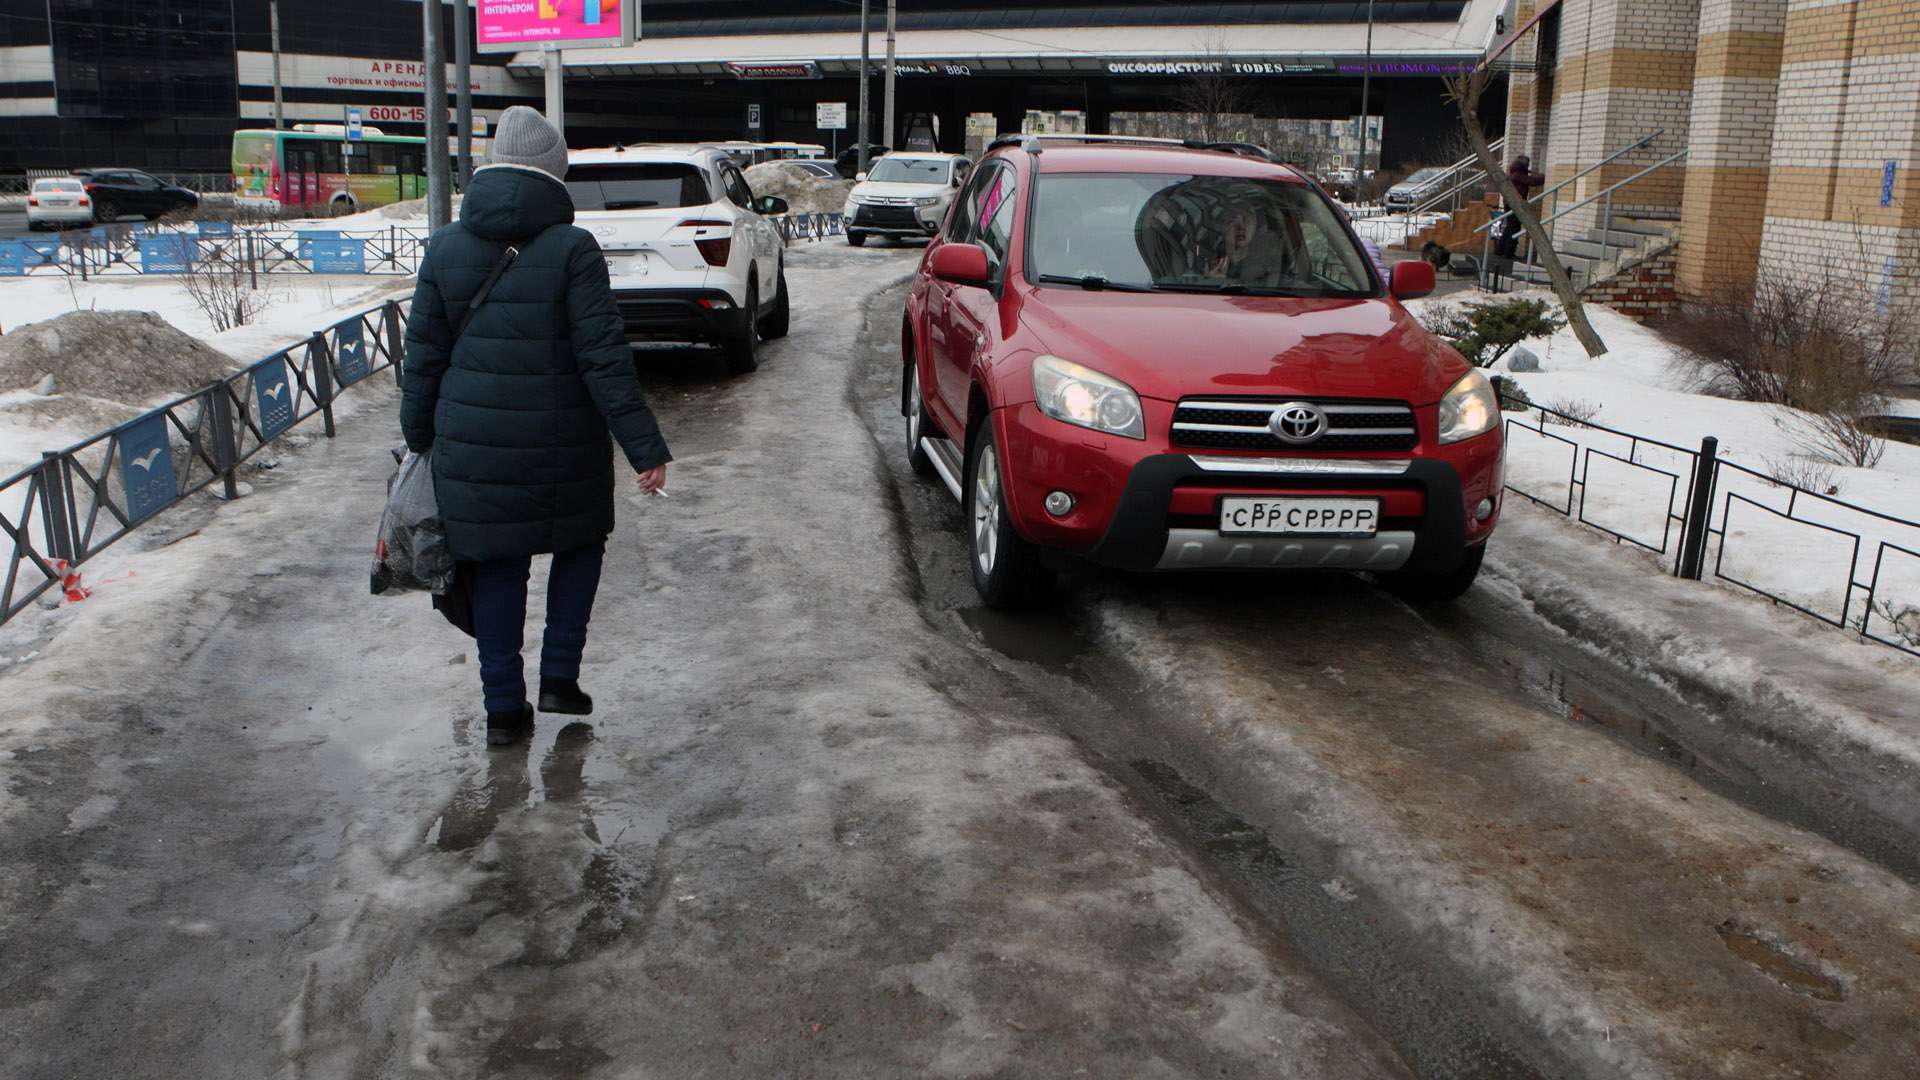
{"x":1241,"y":424}
{"x":886,"y":217}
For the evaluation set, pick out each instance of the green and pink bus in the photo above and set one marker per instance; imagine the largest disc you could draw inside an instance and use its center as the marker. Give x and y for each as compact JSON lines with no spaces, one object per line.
{"x":316,"y":166}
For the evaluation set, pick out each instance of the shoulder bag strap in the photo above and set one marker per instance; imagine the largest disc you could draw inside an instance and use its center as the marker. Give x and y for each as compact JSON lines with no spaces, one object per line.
{"x":480,"y":297}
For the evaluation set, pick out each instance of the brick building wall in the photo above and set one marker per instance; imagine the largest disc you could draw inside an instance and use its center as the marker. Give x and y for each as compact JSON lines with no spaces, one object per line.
{"x":1625,"y":70}
{"x":1735,"y":86}
{"x":1849,"y":109}
{"x":1642,"y":291}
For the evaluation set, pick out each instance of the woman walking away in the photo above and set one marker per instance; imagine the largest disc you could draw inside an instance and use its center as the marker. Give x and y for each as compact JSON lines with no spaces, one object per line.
{"x":517,"y":370}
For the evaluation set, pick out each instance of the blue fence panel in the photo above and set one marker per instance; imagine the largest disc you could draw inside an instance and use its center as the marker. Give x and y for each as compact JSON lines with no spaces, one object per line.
{"x":274,"y":393}
{"x":167,"y":253}
{"x":13,"y":258}
{"x":350,"y":351}
{"x":308,"y":236}
{"x":146,"y":465}
{"x":343,"y":256}
{"x":215,"y":229}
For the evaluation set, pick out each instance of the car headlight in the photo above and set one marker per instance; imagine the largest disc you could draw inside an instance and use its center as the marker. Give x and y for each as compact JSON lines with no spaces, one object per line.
{"x":853,"y":198}
{"x":931,"y":200}
{"x":1469,"y":409}
{"x":1080,"y":395}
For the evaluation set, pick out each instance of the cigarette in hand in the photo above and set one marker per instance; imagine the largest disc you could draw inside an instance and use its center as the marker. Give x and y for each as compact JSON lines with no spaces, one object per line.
{"x":660,"y":493}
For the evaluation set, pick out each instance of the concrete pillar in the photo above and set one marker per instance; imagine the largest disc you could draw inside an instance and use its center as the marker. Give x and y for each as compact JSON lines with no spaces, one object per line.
{"x":1625,"y":70}
{"x":1735,"y":83}
{"x":1849,"y":84}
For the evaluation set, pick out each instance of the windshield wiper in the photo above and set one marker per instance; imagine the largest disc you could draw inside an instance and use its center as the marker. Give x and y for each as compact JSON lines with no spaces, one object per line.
{"x":1230,"y":288}
{"x":1091,"y":283}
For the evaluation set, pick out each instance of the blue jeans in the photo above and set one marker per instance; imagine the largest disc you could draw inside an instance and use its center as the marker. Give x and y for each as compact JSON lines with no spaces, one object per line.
{"x":500,"y":619}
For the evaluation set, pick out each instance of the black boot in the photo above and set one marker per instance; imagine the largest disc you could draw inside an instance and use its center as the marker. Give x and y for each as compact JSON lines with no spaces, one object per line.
{"x":505,"y":729}
{"x":564,"y":696}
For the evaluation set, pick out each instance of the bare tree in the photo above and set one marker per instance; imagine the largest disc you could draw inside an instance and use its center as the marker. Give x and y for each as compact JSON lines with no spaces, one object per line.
{"x":1465,"y":91}
{"x":1216,"y":98}
{"x":220,"y":288}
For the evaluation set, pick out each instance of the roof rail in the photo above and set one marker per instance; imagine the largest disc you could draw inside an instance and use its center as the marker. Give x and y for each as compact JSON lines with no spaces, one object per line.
{"x":1245,"y":149}
{"x":1033,"y":142}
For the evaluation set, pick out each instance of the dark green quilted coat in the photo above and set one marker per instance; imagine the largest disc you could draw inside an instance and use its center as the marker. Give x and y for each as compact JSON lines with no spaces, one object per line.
{"x":519,"y":411}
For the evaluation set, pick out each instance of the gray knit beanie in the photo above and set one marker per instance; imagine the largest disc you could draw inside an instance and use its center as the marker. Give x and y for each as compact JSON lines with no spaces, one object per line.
{"x":525,"y":138}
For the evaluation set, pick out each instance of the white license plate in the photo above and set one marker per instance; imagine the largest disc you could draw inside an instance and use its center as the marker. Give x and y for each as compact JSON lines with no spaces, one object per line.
{"x":627,"y":264}
{"x":55,"y":202}
{"x":1300,"y":516}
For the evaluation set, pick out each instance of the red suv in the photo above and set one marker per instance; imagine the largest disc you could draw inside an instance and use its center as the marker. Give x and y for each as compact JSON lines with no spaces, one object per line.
{"x":1163,"y":357}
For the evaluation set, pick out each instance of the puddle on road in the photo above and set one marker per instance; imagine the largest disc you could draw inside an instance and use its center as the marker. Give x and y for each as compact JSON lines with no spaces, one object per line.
{"x":1045,"y":638}
{"x":1774,"y":961}
{"x":1584,"y":703}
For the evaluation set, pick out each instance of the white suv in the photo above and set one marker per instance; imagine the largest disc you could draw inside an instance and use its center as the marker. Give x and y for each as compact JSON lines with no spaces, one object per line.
{"x":689,"y":248}
{"x":904,"y":195}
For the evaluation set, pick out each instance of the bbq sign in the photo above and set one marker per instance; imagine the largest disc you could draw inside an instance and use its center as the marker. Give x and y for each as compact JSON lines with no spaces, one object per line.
{"x":512,"y":25}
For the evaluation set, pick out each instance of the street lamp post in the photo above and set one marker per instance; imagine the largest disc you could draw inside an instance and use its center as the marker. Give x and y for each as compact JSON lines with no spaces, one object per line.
{"x":887,"y":129}
{"x":865,"y":7}
{"x":279,"y":106}
{"x":1366,"y":93}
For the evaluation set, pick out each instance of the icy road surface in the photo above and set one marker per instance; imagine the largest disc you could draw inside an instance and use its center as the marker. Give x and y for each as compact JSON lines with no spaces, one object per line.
{"x":250,"y":830}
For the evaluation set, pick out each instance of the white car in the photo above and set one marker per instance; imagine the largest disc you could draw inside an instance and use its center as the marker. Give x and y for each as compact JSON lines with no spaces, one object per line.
{"x":690,"y":251}
{"x":58,"y":203}
{"x":904,"y":195}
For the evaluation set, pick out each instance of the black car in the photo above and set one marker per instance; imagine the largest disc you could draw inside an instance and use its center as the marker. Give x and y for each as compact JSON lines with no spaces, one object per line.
{"x":130,"y":192}
{"x":849,"y":159}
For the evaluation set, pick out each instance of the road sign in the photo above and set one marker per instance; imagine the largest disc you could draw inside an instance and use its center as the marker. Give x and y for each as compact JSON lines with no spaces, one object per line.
{"x":830,"y":116}
{"x":353,"y":123}
{"x":753,"y":117}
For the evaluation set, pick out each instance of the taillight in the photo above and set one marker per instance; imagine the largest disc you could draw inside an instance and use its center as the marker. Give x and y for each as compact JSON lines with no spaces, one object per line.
{"x":83,"y":200}
{"x":33,"y":200}
{"x":714,"y":249}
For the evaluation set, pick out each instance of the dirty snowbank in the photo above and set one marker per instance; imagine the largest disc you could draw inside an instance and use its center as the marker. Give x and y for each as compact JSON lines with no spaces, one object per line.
{"x":805,"y":193}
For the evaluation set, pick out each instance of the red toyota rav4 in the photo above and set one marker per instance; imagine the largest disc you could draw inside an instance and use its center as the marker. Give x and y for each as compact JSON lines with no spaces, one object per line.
{"x":1163,"y":357}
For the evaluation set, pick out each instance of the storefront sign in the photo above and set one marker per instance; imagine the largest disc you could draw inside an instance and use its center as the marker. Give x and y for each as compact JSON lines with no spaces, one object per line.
{"x":512,"y":25}
{"x":754,"y":69}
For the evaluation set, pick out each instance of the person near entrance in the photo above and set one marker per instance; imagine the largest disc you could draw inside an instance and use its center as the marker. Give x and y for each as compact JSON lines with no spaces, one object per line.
{"x":1520,"y":173}
{"x":519,"y":380}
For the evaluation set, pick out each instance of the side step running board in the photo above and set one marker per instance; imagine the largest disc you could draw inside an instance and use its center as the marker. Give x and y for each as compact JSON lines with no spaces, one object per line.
{"x":946,"y":461}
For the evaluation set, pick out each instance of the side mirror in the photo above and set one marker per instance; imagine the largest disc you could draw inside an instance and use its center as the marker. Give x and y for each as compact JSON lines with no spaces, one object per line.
{"x":960,"y":264}
{"x":859,"y":176}
{"x":770,"y":205}
{"x":1410,"y":279}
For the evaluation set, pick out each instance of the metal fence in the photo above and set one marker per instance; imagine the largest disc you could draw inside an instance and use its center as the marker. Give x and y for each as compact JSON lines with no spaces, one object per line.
{"x":138,"y":249}
{"x":76,"y":502}
{"x":1845,"y":564}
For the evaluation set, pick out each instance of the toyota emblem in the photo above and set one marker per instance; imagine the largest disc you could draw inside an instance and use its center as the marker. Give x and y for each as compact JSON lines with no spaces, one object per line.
{"x":1297,"y":422}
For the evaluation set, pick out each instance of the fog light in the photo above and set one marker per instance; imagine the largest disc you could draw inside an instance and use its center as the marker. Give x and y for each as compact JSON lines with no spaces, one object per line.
{"x":1483,"y":511}
{"x":1059,"y":503}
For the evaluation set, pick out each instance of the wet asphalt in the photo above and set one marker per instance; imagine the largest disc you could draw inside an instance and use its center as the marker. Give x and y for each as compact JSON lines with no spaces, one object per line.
{"x":834,"y":819}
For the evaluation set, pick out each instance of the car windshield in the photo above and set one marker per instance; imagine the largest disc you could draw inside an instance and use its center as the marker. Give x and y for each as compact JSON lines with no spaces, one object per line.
{"x":636,"y":186}
{"x":57,"y":185}
{"x":1424,"y":175}
{"x":1178,"y":233}
{"x":895,"y":170}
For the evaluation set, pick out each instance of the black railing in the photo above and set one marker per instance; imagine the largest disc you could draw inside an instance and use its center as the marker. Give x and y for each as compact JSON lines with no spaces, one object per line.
{"x":1714,"y":516}
{"x":77,"y":502}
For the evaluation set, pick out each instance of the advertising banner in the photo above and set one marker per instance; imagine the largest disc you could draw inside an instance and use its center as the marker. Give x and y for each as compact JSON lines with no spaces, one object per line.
{"x":146,"y":465}
{"x":512,"y":25}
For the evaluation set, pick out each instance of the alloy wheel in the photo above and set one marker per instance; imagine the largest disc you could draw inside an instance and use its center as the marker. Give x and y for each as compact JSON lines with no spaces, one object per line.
{"x":986,"y":508}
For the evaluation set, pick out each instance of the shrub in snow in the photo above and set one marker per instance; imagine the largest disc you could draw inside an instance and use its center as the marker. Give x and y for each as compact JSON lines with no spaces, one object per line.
{"x":1804,"y":472}
{"x":1574,"y":412}
{"x":1513,"y":396}
{"x":1483,"y":332}
{"x":224,"y":292}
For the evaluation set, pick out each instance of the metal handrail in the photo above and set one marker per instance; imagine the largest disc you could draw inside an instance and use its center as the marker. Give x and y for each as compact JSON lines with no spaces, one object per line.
{"x":1496,"y":148}
{"x":1608,"y":191}
{"x":1606,"y":215}
{"x":1602,"y":163}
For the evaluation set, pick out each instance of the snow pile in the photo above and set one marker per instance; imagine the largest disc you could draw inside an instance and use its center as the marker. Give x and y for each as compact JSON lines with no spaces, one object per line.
{"x":130,"y":357}
{"x":805,"y":193}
